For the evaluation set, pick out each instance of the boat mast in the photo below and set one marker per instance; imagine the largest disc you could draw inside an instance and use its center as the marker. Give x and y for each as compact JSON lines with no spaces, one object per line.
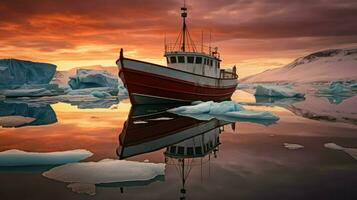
{"x":184,"y":15}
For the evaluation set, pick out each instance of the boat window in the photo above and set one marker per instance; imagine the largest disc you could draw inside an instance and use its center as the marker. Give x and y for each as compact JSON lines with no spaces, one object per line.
{"x":219,"y":64}
{"x":190,"y":151}
{"x":190,"y":59}
{"x":181,"y":59}
{"x":173,"y":149}
{"x":167,"y":60}
{"x":210,"y":62}
{"x":204,"y":61}
{"x":198,"y":150}
{"x":207,"y":61}
{"x":198,"y":60}
{"x":181,"y":150}
{"x":173,"y":59}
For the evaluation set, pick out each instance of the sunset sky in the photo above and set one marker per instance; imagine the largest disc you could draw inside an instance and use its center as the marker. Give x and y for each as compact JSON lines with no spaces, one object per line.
{"x":254,"y":35}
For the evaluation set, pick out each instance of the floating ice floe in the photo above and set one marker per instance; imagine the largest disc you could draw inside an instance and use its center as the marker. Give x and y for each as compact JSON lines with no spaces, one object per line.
{"x":277,"y":91}
{"x":227,"y":111}
{"x":16,"y":158}
{"x":293,"y":146}
{"x":82,"y":177}
{"x":350,"y":151}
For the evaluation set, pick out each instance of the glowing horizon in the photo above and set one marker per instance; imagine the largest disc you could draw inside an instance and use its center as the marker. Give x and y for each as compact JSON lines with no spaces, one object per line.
{"x":253,"y":35}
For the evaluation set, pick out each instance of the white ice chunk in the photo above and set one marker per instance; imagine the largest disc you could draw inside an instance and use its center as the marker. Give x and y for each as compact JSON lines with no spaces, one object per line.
{"x":277,"y":91}
{"x":293,"y":146}
{"x":350,"y":151}
{"x":203,"y":107}
{"x":87,"y":174}
{"x":225,"y":107}
{"x":250,"y":114}
{"x":16,"y":157}
{"x":226,"y":110}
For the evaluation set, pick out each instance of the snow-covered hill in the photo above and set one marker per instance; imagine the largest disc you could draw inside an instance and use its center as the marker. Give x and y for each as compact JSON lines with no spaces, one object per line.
{"x":328,"y":65}
{"x":62,"y":77}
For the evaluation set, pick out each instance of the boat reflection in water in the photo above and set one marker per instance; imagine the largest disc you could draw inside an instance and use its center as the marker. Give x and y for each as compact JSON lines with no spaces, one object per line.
{"x":188,"y":141}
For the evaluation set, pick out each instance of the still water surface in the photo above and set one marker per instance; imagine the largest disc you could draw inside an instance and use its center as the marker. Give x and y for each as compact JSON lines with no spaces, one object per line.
{"x":244,"y":160}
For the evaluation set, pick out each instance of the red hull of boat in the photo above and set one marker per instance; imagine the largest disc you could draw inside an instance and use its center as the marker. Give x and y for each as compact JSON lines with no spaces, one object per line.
{"x":154,"y":86}
{"x":148,"y":83}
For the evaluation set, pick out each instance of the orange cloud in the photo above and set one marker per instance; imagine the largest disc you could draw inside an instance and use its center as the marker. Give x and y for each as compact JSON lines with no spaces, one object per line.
{"x":255,"y":35}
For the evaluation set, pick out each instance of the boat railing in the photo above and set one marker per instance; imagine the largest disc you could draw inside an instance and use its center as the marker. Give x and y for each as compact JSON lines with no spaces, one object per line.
{"x":224,"y":74}
{"x":207,"y":50}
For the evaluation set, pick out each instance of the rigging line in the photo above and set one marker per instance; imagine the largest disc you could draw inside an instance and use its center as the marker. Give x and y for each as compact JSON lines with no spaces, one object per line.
{"x":177,"y":39}
{"x":191,"y":41}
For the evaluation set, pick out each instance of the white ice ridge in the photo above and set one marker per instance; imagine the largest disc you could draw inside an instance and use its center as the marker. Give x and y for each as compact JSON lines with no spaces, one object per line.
{"x":227,"y":110}
{"x":14,"y":157}
{"x":277,"y":91}
{"x":84,"y":176}
{"x":293,"y":146}
{"x":350,"y":151}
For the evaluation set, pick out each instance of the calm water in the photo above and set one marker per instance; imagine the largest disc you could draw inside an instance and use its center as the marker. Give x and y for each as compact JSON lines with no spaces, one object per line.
{"x":246,"y":160}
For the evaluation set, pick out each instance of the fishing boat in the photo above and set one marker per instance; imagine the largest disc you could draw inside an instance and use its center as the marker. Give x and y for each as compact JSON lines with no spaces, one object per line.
{"x":191,"y":74}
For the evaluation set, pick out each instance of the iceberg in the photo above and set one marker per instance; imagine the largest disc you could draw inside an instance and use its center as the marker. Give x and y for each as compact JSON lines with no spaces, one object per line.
{"x":83,"y":177}
{"x":24,"y":114}
{"x":350,"y":151}
{"x":277,"y":91}
{"x":86,"y":78}
{"x":122,"y":91}
{"x":99,"y":94}
{"x":335,"y":87}
{"x":226,"y":111}
{"x":38,"y":90}
{"x":20,"y":72}
{"x":337,"y":91}
{"x":89,"y":91}
{"x":16,"y":158}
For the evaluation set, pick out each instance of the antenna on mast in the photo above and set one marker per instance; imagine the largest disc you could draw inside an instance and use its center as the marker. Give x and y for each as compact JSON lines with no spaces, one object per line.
{"x":184,"y":15}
